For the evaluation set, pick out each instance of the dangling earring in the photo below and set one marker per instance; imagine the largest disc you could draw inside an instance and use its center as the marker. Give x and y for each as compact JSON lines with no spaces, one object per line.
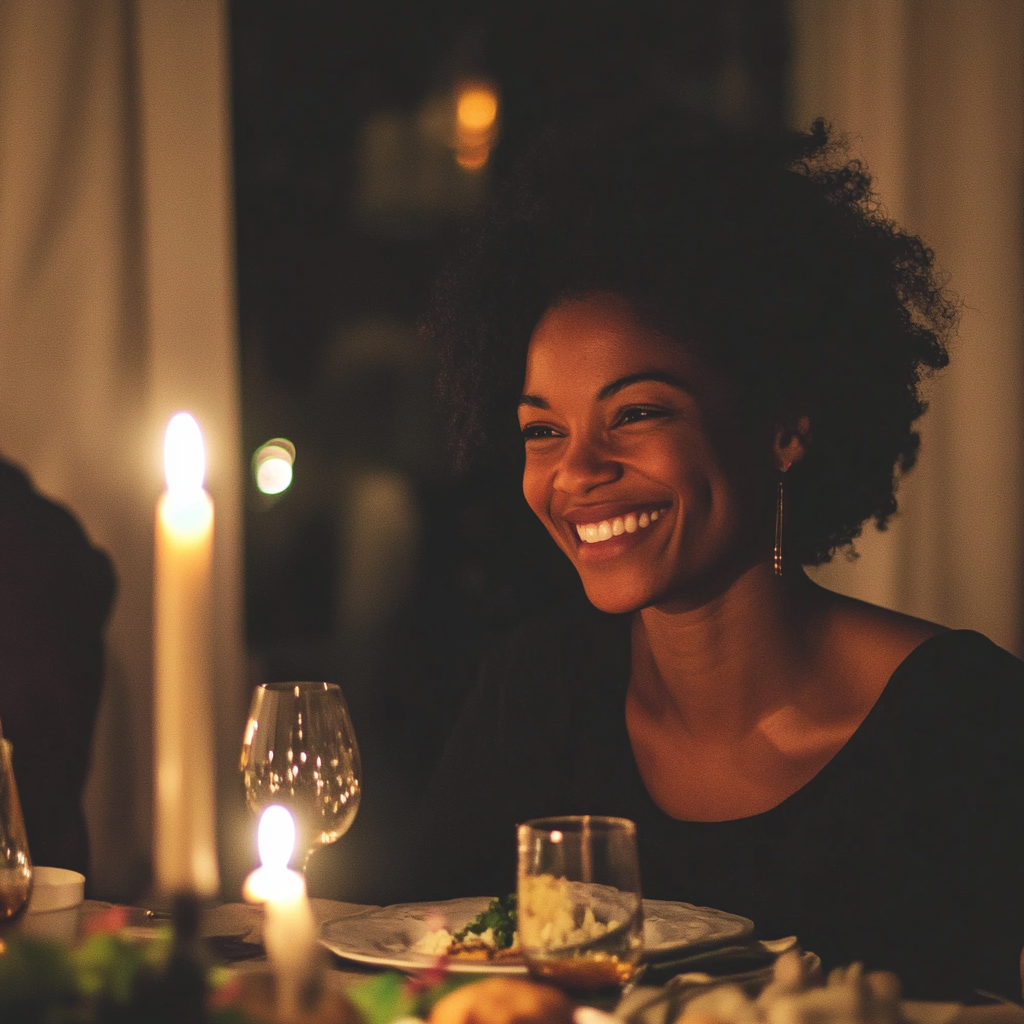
{"x":777,"y":559}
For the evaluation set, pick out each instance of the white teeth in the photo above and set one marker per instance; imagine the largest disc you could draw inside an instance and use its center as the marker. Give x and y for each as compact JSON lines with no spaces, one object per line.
{"x":594,"y":533}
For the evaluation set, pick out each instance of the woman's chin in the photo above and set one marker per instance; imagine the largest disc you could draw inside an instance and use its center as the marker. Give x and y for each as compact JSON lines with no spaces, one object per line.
{"x":615,"y":599}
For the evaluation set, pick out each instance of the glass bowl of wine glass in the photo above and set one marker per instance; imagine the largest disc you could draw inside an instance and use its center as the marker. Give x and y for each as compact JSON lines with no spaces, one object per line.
{"x":300,"y":751}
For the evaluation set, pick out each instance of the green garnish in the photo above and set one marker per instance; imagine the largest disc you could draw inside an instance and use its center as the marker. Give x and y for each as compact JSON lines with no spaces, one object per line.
{"x":501,"y":915}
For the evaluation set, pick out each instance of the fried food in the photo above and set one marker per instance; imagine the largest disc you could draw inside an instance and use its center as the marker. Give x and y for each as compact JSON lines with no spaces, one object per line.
{"x":504,"y":1001}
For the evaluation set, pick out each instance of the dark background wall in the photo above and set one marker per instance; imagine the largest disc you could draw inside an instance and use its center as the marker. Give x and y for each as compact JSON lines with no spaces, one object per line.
{"x":379,"y":569}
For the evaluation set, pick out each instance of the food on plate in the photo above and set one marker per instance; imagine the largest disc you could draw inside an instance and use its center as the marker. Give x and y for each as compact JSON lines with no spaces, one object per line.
{"x":549,"y":915}
{"x":491,"y":935}
{"x":504,"y":1001}
{"x":796,"y":996}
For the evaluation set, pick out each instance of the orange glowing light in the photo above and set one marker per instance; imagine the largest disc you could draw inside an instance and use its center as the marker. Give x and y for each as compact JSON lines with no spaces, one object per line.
{"x":477,"y":108}
{"x":472,"y":159}
{"x":476,"y":124}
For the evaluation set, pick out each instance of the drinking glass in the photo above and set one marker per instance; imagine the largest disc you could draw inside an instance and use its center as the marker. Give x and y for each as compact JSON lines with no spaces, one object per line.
{"x":300,"y":751}
{"x":580,"y":908}
{"x":15,"y":863}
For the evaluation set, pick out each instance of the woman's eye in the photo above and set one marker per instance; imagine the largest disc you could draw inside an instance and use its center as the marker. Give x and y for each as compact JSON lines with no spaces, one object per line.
{"x":637,"y":413}
{"x":538,"y":432}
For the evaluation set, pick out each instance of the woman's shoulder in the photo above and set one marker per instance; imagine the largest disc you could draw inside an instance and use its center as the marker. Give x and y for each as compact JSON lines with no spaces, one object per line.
{"x":956,"y":703}
{"x":962,"y":671}
{"x":956,"y":649}
{"x":877,"y":650}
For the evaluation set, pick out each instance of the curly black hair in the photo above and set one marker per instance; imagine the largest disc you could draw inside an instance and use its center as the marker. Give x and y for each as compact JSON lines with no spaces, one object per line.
{"x":772,"y":256}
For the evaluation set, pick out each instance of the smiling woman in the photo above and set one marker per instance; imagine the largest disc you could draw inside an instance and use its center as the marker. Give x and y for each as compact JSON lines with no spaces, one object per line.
{"x":715,"y":347}
{"x":635,"y":459}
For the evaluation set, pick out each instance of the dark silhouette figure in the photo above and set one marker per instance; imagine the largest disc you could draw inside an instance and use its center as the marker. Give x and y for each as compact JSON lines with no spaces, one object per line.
{"x":56,"y":591}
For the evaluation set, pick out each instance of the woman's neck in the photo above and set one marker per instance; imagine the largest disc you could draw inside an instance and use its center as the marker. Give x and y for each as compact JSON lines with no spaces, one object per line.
{"x":719,"y":670}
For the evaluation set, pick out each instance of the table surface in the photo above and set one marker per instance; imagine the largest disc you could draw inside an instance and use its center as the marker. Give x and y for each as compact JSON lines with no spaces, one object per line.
{"x":235,"y":926}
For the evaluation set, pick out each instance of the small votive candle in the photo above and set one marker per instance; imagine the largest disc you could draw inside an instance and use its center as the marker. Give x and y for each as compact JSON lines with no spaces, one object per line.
{"x":289,"y":931}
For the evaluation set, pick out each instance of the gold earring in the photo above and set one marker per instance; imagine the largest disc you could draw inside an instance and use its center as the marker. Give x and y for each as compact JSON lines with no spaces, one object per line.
{"x":777,"y":559}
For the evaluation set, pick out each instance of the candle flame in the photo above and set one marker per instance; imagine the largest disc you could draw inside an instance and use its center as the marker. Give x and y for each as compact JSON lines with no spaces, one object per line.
{"x":184,"y":456}
{"x":276,"y":837}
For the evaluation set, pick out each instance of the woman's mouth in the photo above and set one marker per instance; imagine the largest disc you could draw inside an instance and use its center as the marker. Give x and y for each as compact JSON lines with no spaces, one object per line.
{"x":606,"y":529}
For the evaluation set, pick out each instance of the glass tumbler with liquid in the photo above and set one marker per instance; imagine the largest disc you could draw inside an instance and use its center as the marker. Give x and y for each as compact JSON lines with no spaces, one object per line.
{"x":580,"y":905}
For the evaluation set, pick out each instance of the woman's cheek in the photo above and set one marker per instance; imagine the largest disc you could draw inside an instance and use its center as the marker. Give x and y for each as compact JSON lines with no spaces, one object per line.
{"x":535,"y":490}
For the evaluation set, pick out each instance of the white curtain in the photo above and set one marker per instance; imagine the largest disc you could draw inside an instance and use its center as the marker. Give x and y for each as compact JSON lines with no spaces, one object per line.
{"x":931,"y":93}
{"x":116,"y":310}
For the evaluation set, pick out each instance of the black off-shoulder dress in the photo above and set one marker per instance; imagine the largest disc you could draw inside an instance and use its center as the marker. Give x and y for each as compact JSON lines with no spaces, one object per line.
{"x":905,"y":852}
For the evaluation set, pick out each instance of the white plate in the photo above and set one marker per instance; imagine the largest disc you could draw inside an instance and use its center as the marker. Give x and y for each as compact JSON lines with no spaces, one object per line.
{"x":385,"y":937}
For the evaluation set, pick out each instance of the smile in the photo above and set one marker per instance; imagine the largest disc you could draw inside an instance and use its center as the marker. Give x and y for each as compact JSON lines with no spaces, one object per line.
{"x":596,"y":533}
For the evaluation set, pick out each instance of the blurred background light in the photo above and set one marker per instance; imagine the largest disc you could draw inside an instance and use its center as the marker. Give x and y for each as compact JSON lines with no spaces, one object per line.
{"x":272,"y":465}
{"x":477,"y":108}
{"x":476,"y":123}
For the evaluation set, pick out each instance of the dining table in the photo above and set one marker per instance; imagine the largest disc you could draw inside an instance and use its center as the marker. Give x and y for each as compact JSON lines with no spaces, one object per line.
{"x":233,"y":932}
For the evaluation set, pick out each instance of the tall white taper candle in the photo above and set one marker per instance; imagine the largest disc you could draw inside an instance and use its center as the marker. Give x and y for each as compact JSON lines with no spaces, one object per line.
{"x":184,"y":843}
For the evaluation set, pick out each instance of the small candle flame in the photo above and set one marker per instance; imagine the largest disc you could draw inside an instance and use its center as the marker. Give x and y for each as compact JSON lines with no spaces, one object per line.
{"x":184,"y":456}
{"x":275,"y":838}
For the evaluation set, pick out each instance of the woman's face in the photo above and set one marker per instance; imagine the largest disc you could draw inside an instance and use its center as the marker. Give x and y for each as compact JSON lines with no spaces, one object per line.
{"x":638,"y":460}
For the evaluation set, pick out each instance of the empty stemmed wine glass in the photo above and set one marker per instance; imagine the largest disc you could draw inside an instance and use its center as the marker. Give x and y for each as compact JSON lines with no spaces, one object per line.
{"x":300,"y":751}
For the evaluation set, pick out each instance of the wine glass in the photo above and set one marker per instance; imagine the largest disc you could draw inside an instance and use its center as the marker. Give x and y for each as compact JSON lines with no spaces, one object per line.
{"x":580,"y":907}
{"x":15,"y":863}
{"x":300,"y":751}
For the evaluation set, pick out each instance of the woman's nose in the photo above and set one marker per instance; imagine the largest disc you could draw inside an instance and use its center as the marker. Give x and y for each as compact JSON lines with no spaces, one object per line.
{"x":586,"y":463}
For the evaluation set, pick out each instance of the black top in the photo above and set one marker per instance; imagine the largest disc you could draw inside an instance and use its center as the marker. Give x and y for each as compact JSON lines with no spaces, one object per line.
{"x":905,"y":852}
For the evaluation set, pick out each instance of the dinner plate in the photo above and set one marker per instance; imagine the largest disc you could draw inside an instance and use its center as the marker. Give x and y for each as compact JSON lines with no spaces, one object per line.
{"x":385,"y":936}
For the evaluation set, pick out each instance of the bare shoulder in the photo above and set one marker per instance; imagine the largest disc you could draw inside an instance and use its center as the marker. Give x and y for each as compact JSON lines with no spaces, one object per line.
{"x":868,"y":641}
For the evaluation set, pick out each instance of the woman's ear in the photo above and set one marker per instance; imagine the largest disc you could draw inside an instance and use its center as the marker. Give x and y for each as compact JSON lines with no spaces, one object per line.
{"x":791,"y":443}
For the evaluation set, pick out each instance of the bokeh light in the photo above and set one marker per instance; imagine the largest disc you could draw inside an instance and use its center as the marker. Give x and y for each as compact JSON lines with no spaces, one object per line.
{"x":272,"y":465}
{"x":477,"y":108}
{"x":476,"y":123}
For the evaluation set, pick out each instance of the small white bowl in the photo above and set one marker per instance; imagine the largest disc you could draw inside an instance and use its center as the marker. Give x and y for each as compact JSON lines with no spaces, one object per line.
{"x":55,"y":889}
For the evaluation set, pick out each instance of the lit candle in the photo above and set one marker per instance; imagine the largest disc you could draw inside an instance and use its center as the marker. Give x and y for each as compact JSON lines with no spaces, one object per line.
{"x":289,"y":931}
{"x":185,"y":852}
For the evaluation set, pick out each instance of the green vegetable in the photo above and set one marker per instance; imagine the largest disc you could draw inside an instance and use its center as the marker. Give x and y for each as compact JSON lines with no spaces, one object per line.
{"x":390,"y":997}
{"x":501,"y":915}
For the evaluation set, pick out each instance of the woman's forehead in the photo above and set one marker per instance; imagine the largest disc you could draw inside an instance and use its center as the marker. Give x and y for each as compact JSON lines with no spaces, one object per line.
{"x":598,"y":340}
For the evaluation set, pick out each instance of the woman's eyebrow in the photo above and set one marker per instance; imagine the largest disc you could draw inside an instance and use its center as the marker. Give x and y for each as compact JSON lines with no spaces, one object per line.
{"x":535,"y":401}
{"x":659,"y":376}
